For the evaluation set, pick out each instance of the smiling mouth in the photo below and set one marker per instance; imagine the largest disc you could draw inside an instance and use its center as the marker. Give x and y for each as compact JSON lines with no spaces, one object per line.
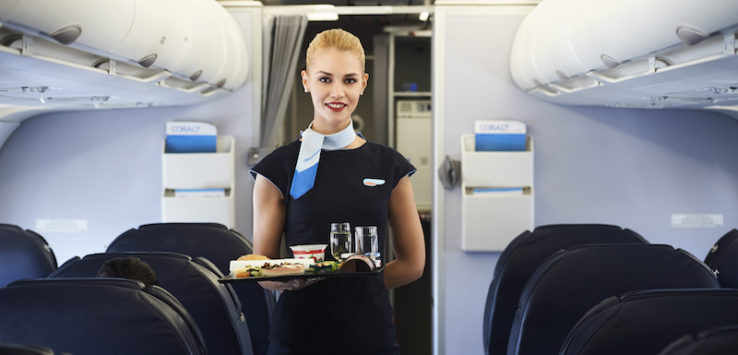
{"x":336,"y":106}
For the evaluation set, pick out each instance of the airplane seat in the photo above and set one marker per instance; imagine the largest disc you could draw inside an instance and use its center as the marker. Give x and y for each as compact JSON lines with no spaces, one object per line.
{"x":645,"y":322}
{"x":91,"y":316}
{"x":723,"y":259}
{"x":214,"y":306}
{"x":521,"y":258}
{"x":216,"y":243}
{"x":24,"y":254}
{"x":24,"y":349}
{"x":572,"y":281}
{"x":716,"y":341}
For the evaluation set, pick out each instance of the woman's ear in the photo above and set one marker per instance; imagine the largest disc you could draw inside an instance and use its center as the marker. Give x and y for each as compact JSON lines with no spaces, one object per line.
{"x":304,"y":76}
{"x":363,"y":85}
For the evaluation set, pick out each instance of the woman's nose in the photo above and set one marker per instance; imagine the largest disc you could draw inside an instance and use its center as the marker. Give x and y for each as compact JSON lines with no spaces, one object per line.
{"x":336,"y":90}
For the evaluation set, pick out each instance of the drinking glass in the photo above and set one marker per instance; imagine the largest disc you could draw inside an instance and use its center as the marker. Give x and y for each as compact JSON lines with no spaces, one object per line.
{"x":340,"y":240}
{"x":366,"y":240}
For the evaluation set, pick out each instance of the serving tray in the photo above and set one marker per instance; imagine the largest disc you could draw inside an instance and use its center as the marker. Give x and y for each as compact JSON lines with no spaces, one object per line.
{"x":325,"y":275}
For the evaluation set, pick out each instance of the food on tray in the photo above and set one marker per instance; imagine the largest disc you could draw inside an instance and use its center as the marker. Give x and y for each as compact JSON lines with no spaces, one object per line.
{"x":285,"y":269}
{"x":357,"y":263}
{"x":253,"y":257}
{"x":324,"y":267}
{"x":309,"y":251}
{"x":240,"y":264}
{"x":247,"y":272}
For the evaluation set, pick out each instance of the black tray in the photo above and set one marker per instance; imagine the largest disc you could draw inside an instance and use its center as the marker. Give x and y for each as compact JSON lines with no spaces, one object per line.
{"x":327,"y":275}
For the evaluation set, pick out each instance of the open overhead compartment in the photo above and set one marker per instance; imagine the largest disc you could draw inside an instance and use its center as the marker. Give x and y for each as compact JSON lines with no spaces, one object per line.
{"x":97,"y":54}
{"x":630,"y":53}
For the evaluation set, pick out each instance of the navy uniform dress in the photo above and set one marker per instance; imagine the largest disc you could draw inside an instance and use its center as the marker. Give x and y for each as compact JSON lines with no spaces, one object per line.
{"x":339,"y":315}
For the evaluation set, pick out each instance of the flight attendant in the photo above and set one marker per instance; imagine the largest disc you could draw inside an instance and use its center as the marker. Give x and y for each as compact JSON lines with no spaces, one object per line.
{"x":332,"y":175}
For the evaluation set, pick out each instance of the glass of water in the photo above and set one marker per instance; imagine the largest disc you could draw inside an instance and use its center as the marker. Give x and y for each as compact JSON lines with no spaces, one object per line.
{"x":366,"y":241}
{"x":340,"y":240}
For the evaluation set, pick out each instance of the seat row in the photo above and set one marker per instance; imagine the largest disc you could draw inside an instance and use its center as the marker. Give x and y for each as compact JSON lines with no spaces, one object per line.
{"x":593,"y":289}
{"x":188,"y":259}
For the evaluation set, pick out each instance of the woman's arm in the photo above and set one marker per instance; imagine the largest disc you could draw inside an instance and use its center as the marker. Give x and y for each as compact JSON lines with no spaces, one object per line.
{"x":269,"y":216}
{"x":407,"y":237}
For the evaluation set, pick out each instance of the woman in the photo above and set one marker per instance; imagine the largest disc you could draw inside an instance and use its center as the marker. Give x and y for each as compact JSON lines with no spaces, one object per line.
{"x":333,"y":175}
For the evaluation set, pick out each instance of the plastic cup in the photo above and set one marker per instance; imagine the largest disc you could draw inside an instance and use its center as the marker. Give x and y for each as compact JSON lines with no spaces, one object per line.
{"x":309,"y":251}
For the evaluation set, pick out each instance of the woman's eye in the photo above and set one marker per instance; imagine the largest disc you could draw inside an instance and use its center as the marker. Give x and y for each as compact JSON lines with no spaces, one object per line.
{"x":350,"y":81}
{"x":325,"y":79}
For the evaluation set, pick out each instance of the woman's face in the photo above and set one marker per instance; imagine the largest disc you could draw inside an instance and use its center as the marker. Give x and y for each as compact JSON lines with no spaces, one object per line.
{"x":335,"y":81}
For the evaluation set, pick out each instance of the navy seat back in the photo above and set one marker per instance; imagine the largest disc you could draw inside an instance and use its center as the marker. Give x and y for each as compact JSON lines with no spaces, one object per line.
{"x":214,"y":306}
{"x":216,"y":243}
{"x":716,"y":341}
{"x":723,"y":258}
{"x":645,"y":322}
{"x":24,"y":254}
{"x":97,"y":316}
{"x":521,"y":258}
{"x":573,"y":281}
{"x":22,"y":349}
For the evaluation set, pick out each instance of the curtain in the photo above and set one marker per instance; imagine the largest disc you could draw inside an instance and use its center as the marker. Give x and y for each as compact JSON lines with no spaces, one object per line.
{"x":283,"y":36}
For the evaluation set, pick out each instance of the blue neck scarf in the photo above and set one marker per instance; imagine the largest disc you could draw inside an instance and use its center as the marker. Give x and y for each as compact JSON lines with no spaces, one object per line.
{"x":309,"y":156}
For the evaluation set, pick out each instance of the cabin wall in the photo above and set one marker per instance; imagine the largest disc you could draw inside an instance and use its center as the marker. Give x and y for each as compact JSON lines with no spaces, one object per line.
{"x":632,"y":168}
{"x":104,"y":167}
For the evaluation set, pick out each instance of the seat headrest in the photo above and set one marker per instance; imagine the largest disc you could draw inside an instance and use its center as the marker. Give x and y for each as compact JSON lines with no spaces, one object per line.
{"x":24,"y":349}
{"x":213,"y":306}
{"x":23,"y":254}
{"x":210,"y":240}
{"x":96,"y":316}
{"x":521,"y":258}
{"x":572,"y":281}
{"x":715,"y":341}
{"x":645,"y":322}
{"x":723,"y":258}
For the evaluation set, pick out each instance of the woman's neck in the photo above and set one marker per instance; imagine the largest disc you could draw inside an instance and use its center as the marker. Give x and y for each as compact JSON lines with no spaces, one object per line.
{"x":327,"y":128}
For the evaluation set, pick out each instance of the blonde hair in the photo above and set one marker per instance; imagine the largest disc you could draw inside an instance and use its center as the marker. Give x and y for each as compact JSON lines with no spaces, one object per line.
{"x":338,"y":39}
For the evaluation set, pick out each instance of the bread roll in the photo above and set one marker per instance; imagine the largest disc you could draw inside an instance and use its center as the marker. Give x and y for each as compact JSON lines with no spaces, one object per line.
{"x":253,"y":257}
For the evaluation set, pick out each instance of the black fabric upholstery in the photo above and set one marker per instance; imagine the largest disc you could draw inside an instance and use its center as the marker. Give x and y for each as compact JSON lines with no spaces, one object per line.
{"x":573,"y":281}
{"x":22,"y":349}
{"x":24,"y":254}
{"x":213,"y":241}
{"x":97,"y":316}
{"x":214,"y":306}
{"x":521,"y":258}
{"x":645,"y":322}
{"x":723,"y":258}
{"x":216,"y":243}
{"x":717,"y":341}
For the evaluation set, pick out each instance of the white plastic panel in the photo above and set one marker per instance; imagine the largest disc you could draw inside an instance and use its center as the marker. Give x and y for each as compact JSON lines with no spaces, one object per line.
{"x":200,"y":170}
{"x":496,"y":169}
{"x":104,"y":23}
{"x":148,"y":32}
{"x":237,"y":65}
{"x":414,"y":142}
{"x":206,"y":52}
{"x":6,"y":7}
{"x":490,"y":223}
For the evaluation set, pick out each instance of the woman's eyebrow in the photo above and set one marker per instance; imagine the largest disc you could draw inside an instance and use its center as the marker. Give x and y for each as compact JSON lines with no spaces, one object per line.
{"x":329,"y":74}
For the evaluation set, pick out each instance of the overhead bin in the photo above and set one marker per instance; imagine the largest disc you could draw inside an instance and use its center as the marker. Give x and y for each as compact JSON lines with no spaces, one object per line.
{"x":630,"y":53}
{"x":196,"y":41}
{"x":97,"y":54}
